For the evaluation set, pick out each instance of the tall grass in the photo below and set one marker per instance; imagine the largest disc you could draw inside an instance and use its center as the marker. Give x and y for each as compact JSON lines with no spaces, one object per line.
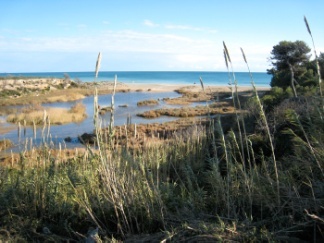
{"x":203,"y":182}
{"x":266,"y":126}
{"x":316,"y":58}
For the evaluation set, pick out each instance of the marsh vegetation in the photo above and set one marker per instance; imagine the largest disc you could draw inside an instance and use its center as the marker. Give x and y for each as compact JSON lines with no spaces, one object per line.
{"x":255,"y":175}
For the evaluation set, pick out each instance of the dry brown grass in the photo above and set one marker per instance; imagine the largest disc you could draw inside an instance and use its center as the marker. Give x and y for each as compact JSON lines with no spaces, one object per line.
{"x":217,"y":108}
{"x":152,"y":134}
{"x":147,"y":102}
{"x":32,"y":157}
{"x":65,"y":98}
{"x":5,"y":143}
{"x":78,"y":108}
{"x":47,"y":97}
{"x":57,"y":116}
{"x":176,"y":101}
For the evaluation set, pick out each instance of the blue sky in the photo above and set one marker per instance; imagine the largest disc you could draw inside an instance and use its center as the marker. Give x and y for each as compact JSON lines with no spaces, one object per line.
{"x":150,"y":35}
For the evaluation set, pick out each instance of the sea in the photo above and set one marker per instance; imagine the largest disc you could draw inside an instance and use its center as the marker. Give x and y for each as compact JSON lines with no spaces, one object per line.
{"x":122,"y":114}
{"x":260,"y":79}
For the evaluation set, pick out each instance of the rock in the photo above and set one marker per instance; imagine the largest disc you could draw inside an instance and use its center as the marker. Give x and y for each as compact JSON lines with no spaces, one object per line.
{"x":87,"y":138}
{"x":46,"y":231}
{"x":93,"y":236}
{"x":103,"y":110}
{"x":68,"y":139}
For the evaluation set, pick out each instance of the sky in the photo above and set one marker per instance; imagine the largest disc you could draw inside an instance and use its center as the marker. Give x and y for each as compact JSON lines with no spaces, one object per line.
{"x":150,"y":35}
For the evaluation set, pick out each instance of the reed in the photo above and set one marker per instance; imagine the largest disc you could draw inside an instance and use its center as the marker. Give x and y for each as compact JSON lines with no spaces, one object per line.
{"x":98,"y":63}
{"x":111,"y":124}
{"x":195,"y":184}
{"x":316,"y":58}
{"x":237,"y":106}
{"x":266,"y":126}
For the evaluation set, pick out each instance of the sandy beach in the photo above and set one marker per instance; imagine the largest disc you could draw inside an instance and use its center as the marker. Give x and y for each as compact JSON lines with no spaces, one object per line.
{"x":172,"y":87}
{"x":38,"y":84}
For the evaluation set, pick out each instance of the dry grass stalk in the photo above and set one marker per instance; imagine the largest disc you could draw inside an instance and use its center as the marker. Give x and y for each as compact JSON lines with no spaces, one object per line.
{"x":19,"y":130}
{"x":202,"y":84}
{"x":225,"y":57}
{"x":111,"y":125}
{"x":237,"y":106}
{"x":25,"y":125}
{"x":265,"y":121}
{"x":34,"y":129}
{"x":316,"y":57}
{"x":58,"y":116}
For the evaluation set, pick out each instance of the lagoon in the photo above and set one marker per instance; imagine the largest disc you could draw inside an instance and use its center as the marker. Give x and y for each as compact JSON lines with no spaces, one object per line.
{"x":73,"y":130}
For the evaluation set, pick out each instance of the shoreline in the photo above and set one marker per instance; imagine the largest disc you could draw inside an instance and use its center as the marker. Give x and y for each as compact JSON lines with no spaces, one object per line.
{"x":40,"y":83}
{"x":40,"y":90}
{"x":190,"y":93}
{"x":194,"y":87}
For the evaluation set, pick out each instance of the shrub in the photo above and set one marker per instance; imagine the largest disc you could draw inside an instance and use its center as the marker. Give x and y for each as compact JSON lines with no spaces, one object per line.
{"x":147,"y":103}
{"x":78,"y":108}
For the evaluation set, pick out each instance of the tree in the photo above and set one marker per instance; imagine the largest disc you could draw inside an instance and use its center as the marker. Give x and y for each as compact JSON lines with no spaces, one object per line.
{"x":289,"y":61}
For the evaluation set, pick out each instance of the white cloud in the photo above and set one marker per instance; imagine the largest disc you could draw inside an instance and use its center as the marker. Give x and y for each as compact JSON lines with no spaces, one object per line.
{"x":181,"y":27}
{"x":149,"y":23}
{"x":167,"y":51}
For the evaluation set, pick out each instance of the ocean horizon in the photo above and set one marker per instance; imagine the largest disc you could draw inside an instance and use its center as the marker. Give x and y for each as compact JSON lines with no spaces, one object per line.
{"x":261,"y":79}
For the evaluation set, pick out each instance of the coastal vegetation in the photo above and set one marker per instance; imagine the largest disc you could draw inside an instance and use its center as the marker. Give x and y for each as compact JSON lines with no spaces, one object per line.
{"x":24,"y":91}
{"x":147,"y":103}
{"x":200,"y":110}
{"x":36,"y":115}
{"x":252,"y":176}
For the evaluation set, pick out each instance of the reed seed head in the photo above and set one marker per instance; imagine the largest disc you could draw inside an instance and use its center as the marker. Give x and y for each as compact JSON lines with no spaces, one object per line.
{"x":307,"y":26}
{"x":226,"y":52}
{"x":98,"y":64}
{"x":244,"y":57}
{"x":202,"y":83}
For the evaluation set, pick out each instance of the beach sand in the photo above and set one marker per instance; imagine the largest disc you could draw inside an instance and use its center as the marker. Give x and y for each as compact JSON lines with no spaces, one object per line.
{"x":173,"y":87}
{"x":41,"y":84}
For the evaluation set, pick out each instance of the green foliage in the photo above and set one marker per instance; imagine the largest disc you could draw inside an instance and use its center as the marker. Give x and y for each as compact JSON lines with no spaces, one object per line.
{"x":75,"y":84}
{"x":275,"y":96}
{"x":290,"y":60}
{"x":130,"y":192}
{"x":7,"y":92}
{"x":321,"y":64}
{"x":268,"y":187}
{"x":287,"y":52}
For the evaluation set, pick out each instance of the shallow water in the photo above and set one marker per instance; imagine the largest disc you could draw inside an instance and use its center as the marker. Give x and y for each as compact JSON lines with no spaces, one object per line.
{"x":57,"y":133}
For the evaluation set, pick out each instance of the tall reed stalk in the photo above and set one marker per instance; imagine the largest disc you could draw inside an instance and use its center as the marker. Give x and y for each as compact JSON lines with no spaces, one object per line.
{"x":316,"y":58}
{"x":239,"y":117}
{"x":111,"y":124}
{"x":265,"y":121}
